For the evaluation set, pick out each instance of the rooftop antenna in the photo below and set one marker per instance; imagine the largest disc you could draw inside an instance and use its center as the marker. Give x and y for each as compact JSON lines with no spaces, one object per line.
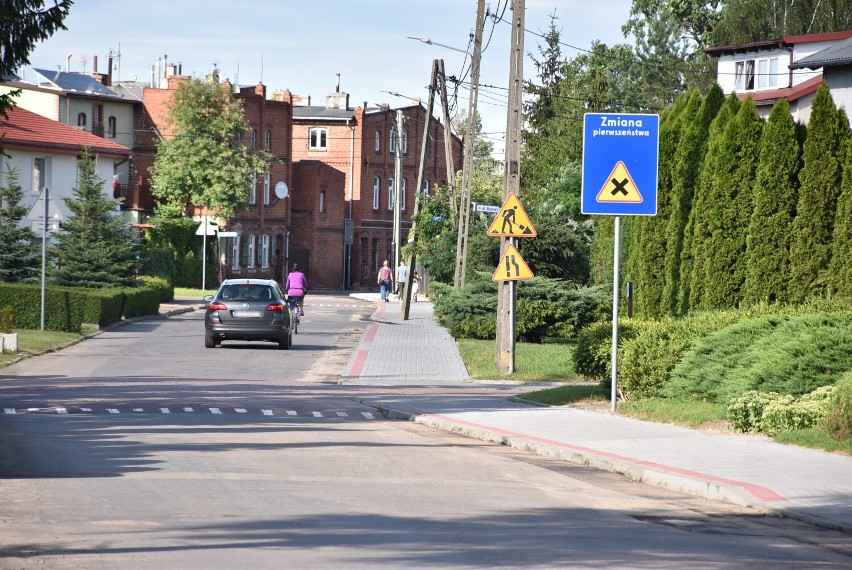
{"x":338,"y":83}
{"x":83,"y":62}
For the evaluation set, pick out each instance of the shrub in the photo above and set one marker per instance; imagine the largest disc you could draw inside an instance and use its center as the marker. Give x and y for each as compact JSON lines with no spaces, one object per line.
{"x":771,"y":412}
{"x":7,"y":319}
{"x":164,"y":289}
{"x":593,"y":354}
{"x":838,"y":421}
{"x":785,"y":353}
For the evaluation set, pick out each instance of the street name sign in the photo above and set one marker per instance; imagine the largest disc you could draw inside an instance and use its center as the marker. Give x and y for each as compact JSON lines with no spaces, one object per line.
{"x":620,"y":160}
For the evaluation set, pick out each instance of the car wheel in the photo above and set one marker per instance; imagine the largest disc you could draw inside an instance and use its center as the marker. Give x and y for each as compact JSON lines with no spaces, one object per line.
{"x":285,"y":341}
{"x":209,"y":341}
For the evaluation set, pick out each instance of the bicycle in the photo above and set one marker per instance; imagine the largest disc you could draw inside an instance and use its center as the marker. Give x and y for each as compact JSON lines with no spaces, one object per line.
{"x":296,"y":312}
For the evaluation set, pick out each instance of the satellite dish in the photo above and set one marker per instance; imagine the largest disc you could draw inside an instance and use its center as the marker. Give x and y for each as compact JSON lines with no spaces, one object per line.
{"x":281,"y":190}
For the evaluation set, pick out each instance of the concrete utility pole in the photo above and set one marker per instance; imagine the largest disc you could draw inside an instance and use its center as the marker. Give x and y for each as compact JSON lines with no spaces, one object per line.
{"x":397,"y":192}
{"x":448,"y":135}
{"x":507,"y":290}
{"x":470,"y":142}
{"x":421,"y":167}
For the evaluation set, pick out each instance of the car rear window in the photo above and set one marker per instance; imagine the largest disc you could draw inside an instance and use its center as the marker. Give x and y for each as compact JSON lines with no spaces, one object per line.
{"x":246,"y":292}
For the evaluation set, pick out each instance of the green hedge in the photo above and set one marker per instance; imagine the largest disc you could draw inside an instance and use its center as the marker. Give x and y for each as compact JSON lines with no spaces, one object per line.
{"x":66,"y":308}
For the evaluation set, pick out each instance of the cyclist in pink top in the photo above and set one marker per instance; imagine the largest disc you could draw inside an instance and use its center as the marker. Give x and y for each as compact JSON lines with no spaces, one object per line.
{"x":297,"y":286}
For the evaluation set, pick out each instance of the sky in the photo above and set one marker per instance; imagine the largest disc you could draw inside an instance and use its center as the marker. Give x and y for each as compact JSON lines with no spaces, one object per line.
{"x":302,"y":45}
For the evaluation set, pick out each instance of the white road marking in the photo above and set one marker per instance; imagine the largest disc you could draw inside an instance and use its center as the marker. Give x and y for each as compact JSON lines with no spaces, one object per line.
{"x":240,"y":410}
{"x":61,"y":410}
{"x":138,"y":409}
{"x":343,"y":414}
{"x":33,"y":409}
{"x":85,"y":409}
{"x":267,"y":412}
{"x":367,"y":415}
{"x":10,"y":411}
{"x":113,"y":411}
{"x":187,"y":409}
{"x":292,"y":413}
{"x":165,"y":410}
{"x":215,"y":410}
{"x":317,"y":414}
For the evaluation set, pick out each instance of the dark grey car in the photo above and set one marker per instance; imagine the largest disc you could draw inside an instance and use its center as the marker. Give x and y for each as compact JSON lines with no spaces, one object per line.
{"x":248,"y":309}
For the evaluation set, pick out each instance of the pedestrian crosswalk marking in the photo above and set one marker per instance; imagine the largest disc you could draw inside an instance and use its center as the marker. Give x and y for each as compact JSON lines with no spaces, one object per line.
{"x":113,"y":411}
{"x":165,"y":410}
{"x":343,"y":414}
{"x":367,"y":415}
{"x":267,"y":412}
{"x":86,"y":409}
{"x":138,"y":409}
{"x":10,"y":411}
{"x":292,"y":413}
{"x":215,"y":410}
{"x":240,"y":410}
{"x":61,"y":410}
{"x":317,"y":414}
{"x":188,"y":409}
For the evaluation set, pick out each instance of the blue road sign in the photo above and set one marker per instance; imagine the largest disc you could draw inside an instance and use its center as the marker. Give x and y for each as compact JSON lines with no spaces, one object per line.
{"x":620,"y":155}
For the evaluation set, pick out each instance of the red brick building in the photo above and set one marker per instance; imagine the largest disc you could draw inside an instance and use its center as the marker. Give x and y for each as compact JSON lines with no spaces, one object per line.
{"x":356,"y":231}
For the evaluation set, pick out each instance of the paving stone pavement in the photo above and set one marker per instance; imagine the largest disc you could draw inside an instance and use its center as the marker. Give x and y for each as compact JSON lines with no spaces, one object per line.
{"x":809,"y":485}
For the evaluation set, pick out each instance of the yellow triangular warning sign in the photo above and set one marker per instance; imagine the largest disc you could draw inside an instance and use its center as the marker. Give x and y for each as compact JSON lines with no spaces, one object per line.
{"x":512,"y":267}
{"x":619,"y":187}
{"x":512,"y":220}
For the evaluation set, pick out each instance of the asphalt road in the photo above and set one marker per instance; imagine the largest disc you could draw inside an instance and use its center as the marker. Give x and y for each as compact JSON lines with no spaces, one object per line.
{"x":139,"y":448}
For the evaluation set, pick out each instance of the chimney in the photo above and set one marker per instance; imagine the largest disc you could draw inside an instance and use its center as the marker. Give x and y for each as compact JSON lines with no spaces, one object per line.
{"x":109,"y":71}
{"x":95,"y":64}
{"x":337,"y":101}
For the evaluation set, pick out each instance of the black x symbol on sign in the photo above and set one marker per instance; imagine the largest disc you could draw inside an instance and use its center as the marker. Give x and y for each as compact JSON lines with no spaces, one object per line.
{"x":619,"y":186}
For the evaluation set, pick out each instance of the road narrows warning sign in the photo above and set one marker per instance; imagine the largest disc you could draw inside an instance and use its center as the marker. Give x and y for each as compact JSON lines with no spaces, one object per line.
{"x":620,"y":187}
{"x":512,"y":267}
{"x":512,"y":221}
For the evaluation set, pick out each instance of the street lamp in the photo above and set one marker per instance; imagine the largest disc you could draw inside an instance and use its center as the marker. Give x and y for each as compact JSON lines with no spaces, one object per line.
{"x":45,"y":221}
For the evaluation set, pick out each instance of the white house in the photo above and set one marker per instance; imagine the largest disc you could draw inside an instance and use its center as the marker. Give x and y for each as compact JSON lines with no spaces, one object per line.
{"x":836,"y":65}
{"x":45,"y":152}
{"x":768,"y":70}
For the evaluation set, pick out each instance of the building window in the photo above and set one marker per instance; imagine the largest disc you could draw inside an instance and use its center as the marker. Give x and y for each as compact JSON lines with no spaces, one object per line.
{"x":81,"y":121}
{"x":392,"y":145}
{"x":391,"y":192}
{"x":111,"y":127}
{"x":39,"y":174}
{"x":378,"y":141}
{"x":767,"y":72}
{"x":405,"y":142}
{"x":235,"y":253}
{"x":745,"y":75}
{"x":267,"y":141}
{"x":322,"y":201}
{"x":425,"y":187}
{"x":318,"y":138}
{"x":253,"y":142}
{"x":253,"y":188}
{"x":377,"y":192}
{"x":264,"y":251}
{"x":402,"y":195}
{"x":250,"y":251}
{"x":266,"y":182}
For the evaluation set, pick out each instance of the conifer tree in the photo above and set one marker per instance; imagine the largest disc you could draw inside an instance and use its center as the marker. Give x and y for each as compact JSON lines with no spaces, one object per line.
{"x":776,"y":190}
{"x":646,"y":265}
{"x":735,"y":172}
{"x":693,"y":273}
{"x":841,"y":246}
{"x":19,"y":259}
{"x":95,"y":248}
{"x":687,"y":164}
{"x":819,"y":188}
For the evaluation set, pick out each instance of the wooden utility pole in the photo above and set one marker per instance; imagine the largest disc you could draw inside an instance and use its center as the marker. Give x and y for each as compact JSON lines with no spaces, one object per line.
{"x":397,"y":186}
{"x":470,"y":143}
{"x":421,"y":167}
{"x":507,"y":290}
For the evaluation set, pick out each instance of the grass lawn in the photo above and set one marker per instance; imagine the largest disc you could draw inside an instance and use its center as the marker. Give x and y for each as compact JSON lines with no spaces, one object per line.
{"x":194,"y":293}
{"x":31,"y":342}
{"x":533,"y":362}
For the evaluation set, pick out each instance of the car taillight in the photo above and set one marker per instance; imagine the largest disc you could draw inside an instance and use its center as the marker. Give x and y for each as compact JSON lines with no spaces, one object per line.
{"x":276,"y":308}
{"x":218,"y":307}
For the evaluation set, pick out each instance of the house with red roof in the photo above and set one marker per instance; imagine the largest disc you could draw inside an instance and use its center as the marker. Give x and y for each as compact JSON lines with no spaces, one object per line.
{"x":45,"y":154}
{"x":769,"y":70}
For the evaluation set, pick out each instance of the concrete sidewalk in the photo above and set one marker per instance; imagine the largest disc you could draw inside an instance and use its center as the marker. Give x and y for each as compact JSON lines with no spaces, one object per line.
{"x":809,"y":485}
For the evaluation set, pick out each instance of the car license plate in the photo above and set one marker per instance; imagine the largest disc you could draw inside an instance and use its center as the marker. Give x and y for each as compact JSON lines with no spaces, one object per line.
{"x":247,"y":314}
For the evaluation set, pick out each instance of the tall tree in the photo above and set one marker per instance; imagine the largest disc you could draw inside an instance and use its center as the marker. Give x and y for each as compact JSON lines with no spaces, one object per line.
{"x":687,"y":164}
{"x":775,"y":194}
{"x":733,"y":204}
{"x":746,"y":21}
{"x":205,"y":163}
{"x":25,"y":23}
{"x":19,"y":260}
{"x":819,"y":188}
{"x":841,"y":269}
{"x":698,"y":232}
{"x":95,"y":247}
